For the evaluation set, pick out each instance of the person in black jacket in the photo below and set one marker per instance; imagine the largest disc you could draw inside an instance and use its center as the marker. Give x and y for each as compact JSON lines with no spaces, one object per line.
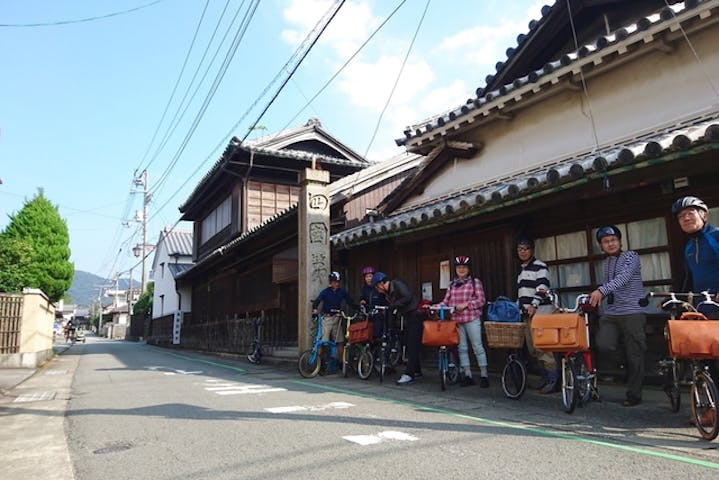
{"x":403,"y":302}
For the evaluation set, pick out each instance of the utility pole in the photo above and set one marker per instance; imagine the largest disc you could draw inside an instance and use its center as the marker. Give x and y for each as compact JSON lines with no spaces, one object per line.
{"x":142,"y":180}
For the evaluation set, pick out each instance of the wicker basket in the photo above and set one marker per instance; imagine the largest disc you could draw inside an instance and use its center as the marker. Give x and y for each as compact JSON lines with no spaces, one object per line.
{"x":504,"y":334}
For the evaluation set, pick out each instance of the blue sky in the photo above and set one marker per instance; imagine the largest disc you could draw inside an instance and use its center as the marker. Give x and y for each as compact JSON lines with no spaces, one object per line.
{"x":80,"y":102}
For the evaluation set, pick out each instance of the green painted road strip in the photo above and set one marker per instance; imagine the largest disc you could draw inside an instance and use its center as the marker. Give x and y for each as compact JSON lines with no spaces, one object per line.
{"x":516,"y":426}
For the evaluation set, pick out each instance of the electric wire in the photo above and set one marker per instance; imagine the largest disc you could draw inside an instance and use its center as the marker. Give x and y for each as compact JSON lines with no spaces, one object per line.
{"x":344,"y":65}
{"x":180,"y":111}
{"x":81,"y":20}
{"x":304,"y":55}
{"x":213,"y":89}
{"x":174,"y":89}
{"x":399,"y":75}
{"x":694,"y":52}
{"x":332,"y":12}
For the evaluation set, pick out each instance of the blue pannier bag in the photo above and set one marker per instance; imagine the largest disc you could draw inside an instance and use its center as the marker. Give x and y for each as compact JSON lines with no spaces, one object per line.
{"x":503,"y":310}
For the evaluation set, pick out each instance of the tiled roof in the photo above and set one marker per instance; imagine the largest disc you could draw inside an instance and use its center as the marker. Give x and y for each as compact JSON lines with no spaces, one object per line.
{"x":178,"y":242}
{"x":500,"y":193}
{"x":178,"y":268}
{"x":339,"y":189}
{"x":235,"y":146}
{"x":620,"y":42}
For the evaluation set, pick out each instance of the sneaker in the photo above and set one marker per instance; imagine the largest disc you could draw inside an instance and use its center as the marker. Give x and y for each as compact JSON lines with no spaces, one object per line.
{"x":631,"y":401}
{"x":418,"y":375}
{"x":543,"y":383}
{"x":405,"y":380}
{"x":466,"y":382}
{"x":483,"y":382}
{"x":549,"y":387}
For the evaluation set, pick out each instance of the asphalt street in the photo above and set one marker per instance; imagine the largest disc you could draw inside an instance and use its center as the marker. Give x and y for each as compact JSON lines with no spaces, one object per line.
{"x":126,"y":410}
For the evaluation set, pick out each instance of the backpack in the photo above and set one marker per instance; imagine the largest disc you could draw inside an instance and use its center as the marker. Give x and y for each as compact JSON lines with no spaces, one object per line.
{"x":503,"y":310}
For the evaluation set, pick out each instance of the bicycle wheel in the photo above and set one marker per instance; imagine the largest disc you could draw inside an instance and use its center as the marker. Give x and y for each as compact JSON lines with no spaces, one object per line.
{"x":254,"y":355}
{"x":382,"y":363}
{"x":442,"y":364}
{"x":395,"y":350}
{"x":671,"y":387}
{"x":569,"y":393}
{"x":309,"y":364}
{"x":452,"y":369}
{"x":514,"y":378}
{"x":704,"y":406}
{"x":365,"y":364}
{"x":582,"y":380}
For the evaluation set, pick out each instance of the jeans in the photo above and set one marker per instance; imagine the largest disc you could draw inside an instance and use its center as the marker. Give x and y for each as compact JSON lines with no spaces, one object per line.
{"x":473,"y":330}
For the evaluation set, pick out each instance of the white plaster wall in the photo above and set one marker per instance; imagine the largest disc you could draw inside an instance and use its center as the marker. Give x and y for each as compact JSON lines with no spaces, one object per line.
{"x":651,"y":92}
{"x":165,"y":285}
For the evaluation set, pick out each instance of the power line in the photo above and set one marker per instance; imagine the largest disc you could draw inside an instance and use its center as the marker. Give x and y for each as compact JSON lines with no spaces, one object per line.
{"x":213,"y":89}
{"x":174,"y":89}
{"x":81,"y":20}
{"x":399,"y":75}
{"x":180,"y":112}
{"x":304,"y":55}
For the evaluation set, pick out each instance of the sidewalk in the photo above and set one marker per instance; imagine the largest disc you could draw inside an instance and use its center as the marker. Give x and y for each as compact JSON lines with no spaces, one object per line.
{"x":32,"y":414}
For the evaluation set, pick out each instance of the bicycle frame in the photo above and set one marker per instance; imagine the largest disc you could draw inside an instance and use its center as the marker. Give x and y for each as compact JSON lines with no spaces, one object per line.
{"x":704,"y":396}
{"x":443,"y":352}
{"x":309,"y":363}
{"x":255,"y":355}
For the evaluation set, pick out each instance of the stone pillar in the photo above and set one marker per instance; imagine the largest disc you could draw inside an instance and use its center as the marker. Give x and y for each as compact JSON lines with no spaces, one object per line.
{"x":314,"y":246}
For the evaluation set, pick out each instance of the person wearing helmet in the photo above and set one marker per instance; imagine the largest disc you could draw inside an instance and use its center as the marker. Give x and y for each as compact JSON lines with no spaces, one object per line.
{"x":369,"y":298}
{"x":701,"y":254}
{"x":466,"y":294}
{"x":532,"y":283}
{"x":621,"y":313}
{"x":403,"y":302}
{"x":367,"y":291}
{"x":331,"y":299}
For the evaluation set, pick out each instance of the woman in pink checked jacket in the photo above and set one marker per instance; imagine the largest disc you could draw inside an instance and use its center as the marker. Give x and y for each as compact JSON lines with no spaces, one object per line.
{"x":466,"y":295}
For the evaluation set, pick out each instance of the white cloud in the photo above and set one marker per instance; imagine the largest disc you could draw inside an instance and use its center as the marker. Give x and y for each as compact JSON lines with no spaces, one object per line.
{"x":350,"y":27}
{"x":368,"y":85}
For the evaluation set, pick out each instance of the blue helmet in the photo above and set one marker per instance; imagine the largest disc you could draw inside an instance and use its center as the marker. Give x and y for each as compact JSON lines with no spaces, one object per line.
{"x":378,"y":277}
{"x":608,"y":231}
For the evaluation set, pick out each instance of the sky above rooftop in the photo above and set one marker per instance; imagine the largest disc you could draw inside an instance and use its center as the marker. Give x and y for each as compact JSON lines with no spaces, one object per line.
{"x":94,"y":92}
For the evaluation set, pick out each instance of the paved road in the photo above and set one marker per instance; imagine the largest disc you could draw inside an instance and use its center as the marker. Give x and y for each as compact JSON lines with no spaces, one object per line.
{"x":136,"y":411}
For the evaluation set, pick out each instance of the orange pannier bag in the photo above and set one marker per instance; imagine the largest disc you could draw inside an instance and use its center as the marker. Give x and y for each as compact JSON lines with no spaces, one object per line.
{"x":693,"y":338}
{"x":559,"y":332}
{"x":361,"y":332}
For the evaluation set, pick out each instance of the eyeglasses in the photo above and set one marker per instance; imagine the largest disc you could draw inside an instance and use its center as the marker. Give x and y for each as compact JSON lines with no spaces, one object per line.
{"x":688,"y":213}
{"x":522,"y":248}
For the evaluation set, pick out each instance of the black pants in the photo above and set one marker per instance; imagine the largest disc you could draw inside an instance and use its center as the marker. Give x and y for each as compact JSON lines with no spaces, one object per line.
{"x":413,"y":331}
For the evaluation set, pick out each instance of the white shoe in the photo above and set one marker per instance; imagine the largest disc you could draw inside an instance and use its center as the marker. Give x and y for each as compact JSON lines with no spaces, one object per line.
{"x":405,"y":380}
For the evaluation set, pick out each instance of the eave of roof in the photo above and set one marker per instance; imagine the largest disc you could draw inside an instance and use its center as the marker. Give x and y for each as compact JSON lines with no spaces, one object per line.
{"x":658,"y":147}
{"x":235,"y":146}
{"x":422,"y":136}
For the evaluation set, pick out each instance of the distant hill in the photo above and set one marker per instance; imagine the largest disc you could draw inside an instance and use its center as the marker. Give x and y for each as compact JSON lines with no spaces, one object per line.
{"x":85,"y":286}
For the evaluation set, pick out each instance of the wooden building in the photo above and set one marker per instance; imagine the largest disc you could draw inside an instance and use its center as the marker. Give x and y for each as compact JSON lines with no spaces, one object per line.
{"x":605,"y":112}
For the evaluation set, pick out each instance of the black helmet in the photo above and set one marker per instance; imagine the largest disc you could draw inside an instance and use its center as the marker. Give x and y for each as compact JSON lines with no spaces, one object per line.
{"x":334,"y":276}
{"x":524,"y":240}
{"x":688,"y":202}
{"x":378,"y":277}
{"x":607,"y":231}
{"x":462,"y":260}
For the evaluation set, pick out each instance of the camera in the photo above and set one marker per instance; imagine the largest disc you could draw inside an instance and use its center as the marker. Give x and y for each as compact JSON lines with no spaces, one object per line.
{"x":610,"y":298}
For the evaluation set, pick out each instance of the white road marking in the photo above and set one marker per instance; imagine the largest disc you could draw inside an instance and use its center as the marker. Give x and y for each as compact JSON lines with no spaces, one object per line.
{"x":380,"y":437}
{"x":310,"y":408}
{"x":35,"y":397}
{"x":232,"y":388}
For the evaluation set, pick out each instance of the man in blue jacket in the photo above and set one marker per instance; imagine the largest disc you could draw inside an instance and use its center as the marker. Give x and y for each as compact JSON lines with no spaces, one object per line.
{"x":701,"y":254}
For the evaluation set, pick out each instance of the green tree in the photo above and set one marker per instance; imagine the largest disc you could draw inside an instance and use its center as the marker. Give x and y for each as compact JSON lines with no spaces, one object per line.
{"x":48,"y":266}
{"x":144,"y":303}
{"x":15,"y":259}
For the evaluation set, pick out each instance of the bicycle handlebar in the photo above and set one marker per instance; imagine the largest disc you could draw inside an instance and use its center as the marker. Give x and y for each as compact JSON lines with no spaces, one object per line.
{"x":581,"y":303}
{"x":674,"y":300}
{"x":438,"y":308}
